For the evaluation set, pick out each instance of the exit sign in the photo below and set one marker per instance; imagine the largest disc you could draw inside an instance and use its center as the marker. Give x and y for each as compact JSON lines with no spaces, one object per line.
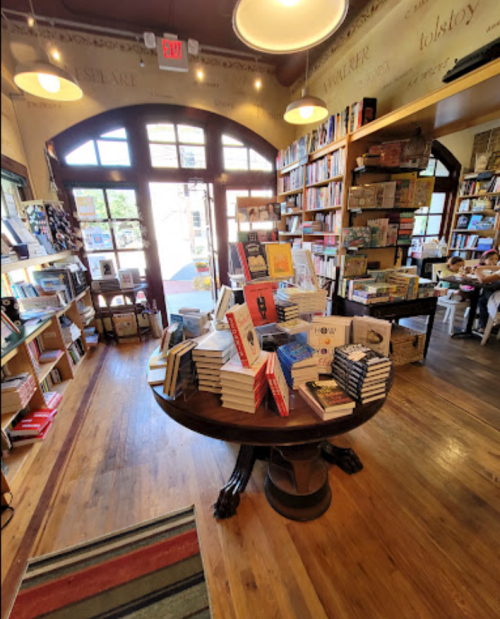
{"x":172,"y":55}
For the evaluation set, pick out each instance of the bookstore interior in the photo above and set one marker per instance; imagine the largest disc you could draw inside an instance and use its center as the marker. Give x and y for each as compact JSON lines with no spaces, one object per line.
{"x":250,"y":309}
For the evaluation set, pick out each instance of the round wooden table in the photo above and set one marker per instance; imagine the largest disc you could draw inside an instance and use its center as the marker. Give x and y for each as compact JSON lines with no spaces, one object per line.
{"x":296,"y":485}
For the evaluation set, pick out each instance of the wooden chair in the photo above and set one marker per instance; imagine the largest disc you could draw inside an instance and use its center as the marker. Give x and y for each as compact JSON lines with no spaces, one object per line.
{"x":449,"y":304}
{"x":494,"y":317}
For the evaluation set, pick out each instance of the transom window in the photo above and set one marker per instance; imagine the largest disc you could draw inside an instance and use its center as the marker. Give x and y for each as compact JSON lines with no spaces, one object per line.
{"x":110,"y":149}
{"x":174,"y":146}
{"x":238,"y":157}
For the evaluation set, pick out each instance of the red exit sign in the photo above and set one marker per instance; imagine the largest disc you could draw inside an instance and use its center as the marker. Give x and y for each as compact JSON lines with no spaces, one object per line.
{"x":172,"y":55}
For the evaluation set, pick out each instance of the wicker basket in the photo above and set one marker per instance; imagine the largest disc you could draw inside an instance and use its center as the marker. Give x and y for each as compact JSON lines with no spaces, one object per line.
{"x":407,"y":345}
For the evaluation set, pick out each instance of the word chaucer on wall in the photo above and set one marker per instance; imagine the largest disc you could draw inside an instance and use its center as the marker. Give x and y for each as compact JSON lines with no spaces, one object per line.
{"x":445,"y":24}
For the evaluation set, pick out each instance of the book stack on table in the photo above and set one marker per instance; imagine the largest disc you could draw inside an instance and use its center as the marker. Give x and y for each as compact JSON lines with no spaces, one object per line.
{"x":361,"y":372}
{"x":298,"y":363}
{"x":209,"y":356}
{"x":286,"y":310}
{"x":327,"y":399}
{"x":244,"y":388}
{"x":308,"y":301}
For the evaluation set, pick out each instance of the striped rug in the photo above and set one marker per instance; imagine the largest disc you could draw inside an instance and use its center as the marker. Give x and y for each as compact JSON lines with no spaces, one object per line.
{"x":150,"y":571}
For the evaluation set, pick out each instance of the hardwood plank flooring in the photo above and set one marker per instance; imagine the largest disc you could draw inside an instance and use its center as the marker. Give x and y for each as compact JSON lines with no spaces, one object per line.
{"x":416,"y":534}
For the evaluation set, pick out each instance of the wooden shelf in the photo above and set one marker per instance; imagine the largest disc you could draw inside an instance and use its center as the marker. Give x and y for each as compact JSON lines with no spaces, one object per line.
{"x":46,"y":368}
{"x":374,"y":169}
{"x":326,"y":181}
{"x":292,"y":192}
{"x":321,"y":234}
{"x":487,"y":210}
{"x":462,"y":231}
{"x":290,"y":233}
{"x":328,"y":148}
{"x":7,"y":419}
{"x":323,"y":253}
{"x":466,"y":249}
{"x":493,"y":194}
{"x":472,"y":175}
{"x":32,"y":262}
{"x":325,"y":208}
{"x":62,"y":386}
{"x":288,"y":168}
{"x":292,"y":213}
{"x":466,"y":102}
{"x":17,"y":459}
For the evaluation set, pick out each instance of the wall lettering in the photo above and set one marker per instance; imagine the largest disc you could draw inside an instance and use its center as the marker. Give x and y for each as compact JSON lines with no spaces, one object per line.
{"x":352,"y":65}
{"x":42,"y":105}
{"x":493,"y":26}
{"x":415,"y":7}
{"x":223,"y":105}
{"x":95,"y":75}
{"x":444,"y":26}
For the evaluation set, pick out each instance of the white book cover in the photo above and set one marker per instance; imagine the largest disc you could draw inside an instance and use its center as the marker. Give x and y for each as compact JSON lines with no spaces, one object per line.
{"x":217,"y":343}
{"x":245,"y":337}
{"x":325,"y":335}
{"x":373,"y":333}
{"x":223,"y":302}
{"x":234,"y":366}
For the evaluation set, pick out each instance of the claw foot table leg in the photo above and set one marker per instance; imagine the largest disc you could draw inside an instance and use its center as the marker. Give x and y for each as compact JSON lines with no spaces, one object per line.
{"x":345,"y":459}
{"x":229,"y":496}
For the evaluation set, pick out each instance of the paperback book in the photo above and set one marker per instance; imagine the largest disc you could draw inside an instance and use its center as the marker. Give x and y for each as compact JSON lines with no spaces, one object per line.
{"x":244,"y":335}
{"x":260,"y":301}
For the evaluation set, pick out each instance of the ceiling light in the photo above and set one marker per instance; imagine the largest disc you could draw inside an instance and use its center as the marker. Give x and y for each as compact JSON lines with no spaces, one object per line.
{"x":56,"y":55}
{"x":258,"y":83}
{"x":199,"y":74}
{"x":31,"y":21}
{"x":43,"y":79}
{"x":287,"y":26}
{"x":307,"y":109}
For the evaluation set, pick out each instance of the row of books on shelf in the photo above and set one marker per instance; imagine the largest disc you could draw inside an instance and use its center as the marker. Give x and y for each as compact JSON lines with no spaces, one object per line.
{"x":399,"y":193}
{"x":324,"y":197}
{"x":479,"y":185}
{"x":378,"y":233}
{"x":53,"y":378}
{"x":292,"y":203}
{"x":327,"y":167}
{"x":76,"y":351}
{"x":325,"y":266}
{"x":293,"y":224}
{"x":471,"y":241}
{"x":323,"y":222}
{"x":334,"y":128}
{"x":398,"y":154}
{"x":475,"y":222}
{"x":476,"y":205}
{"x":291,"y":182}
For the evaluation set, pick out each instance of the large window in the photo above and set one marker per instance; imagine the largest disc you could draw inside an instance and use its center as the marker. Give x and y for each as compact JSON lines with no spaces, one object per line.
{"x":111,"y":228}
{"x":110,"y":149}
{"x":174,"y":146}
{"x":238,"y":157}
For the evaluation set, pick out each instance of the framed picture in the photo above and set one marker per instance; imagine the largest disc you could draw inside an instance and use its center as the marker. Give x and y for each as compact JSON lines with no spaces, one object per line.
{"x":107,"y":268}
{"x":126,"y":279}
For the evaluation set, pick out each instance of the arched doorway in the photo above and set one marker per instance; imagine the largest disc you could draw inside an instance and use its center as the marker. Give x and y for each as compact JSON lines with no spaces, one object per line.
{"x":133,"y":166}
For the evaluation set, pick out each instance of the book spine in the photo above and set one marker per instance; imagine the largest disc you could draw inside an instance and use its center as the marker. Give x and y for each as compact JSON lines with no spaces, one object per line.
{"x":244,"y":262}
{"x":238,"y":340}
{"x":278,"y":398}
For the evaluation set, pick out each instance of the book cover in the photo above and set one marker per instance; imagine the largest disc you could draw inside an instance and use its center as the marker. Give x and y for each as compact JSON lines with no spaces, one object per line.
{"x":182,"y":369}
{"x":244,"y":335}
{"x":373,"y":333}
{"x":253,"y":259}
{"x":216,"y":344}
{"x":278,"y":385}
{"x":359,"y":236}
{"x":279,"y":260}
{"x":326,"y":335}
{"x":422,"y":194}
{"x":296,"y":354}
{"x":353,"y":266}
{"x":260,"y":301}
{"x":329,"y":395}
{"x":34,"y":423}
{"x":225,"y":294}
{"x":234,"y":367}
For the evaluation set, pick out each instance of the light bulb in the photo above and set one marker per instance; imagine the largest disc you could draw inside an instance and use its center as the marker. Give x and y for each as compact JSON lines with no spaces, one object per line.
{"x":31,"y":21}
{"x":56,"y":54}
{"x":50,"y":83}
{"x":199,"y":74}
{"x":306,"y":112}
{"x":289,"y":3}
{"x":258,"y":83}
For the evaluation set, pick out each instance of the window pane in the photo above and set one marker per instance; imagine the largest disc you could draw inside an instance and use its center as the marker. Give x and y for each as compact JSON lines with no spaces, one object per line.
{"x":229,"y":141}
{"x":83,"y":155}
{"x":441,"y":169}
{"x":91,"y":200}
{"x":434,"y":224}
{"x":235,"y":158}
{"x":430,"y":168}
{"x":437,"y":202}
{"x":127,"y":234}
{"x":190,"y":135}
{"x":133,"y":260}
{"x":161,"y":133}
{"x":419,"y":226}
{"x":231,"y":195}
{"x":93,"y":259}
{"x":113,"y":153}
{"x":96,"y":235}
{"x":117,"y":134}
{"x":122,"y":203}
{"x":232,"y":230}
{"x":163,"y":156}
{"x":192,"y":156}
{"x":257,"y":162}
{"x":261,"y":193}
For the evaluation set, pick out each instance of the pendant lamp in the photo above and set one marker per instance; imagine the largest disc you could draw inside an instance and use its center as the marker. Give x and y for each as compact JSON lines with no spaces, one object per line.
{"x":43,"y":79}
{"x":307,"y":109}
{"x":287,"y":26}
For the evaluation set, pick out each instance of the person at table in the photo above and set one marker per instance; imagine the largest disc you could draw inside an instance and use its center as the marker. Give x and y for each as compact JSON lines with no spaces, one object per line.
{"x":453,"y":267}
{"x":487,"y":272}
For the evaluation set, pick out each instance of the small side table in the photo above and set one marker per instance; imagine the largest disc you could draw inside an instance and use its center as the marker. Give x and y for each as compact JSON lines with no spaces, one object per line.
{"x":108,"y":311}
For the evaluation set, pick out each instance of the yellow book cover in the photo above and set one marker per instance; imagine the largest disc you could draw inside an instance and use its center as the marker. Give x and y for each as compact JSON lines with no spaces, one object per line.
{"x":279,"y":260}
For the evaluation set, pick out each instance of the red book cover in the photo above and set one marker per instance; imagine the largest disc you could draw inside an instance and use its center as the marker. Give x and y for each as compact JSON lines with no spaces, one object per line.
{"x":277,"y":382}
{"x":34,"y":423}
{"x":243,"y":331}
{"x":28,"y":440}
{"x":243,"y":260}
{"x":260,"y":301}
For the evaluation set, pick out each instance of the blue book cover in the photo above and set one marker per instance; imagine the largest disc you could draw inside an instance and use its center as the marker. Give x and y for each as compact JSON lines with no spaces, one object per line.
{"x":294,"y":353}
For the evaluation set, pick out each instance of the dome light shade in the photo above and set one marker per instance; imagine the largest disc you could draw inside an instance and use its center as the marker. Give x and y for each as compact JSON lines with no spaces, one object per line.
{"x":287,"y":26}
{"x":306,"y":110}
{"x":44,"y":79}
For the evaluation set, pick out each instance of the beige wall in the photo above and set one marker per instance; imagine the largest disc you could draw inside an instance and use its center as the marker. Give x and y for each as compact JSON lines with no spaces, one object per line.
{"x":12,"y":145}
{"x":398,"y":50}
{"x":110,"y":75}
{"x":460,"y":143}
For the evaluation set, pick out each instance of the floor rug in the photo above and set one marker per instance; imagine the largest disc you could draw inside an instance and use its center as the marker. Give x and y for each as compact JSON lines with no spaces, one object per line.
{"x":150,"y":571}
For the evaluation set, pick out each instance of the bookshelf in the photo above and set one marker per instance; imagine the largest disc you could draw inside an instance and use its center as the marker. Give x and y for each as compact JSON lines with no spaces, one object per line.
{"x":32,"y":262}
{"x":466,"y":102}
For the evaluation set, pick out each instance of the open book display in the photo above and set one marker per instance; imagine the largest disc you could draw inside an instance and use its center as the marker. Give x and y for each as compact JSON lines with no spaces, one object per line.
{"x":279,"y":340}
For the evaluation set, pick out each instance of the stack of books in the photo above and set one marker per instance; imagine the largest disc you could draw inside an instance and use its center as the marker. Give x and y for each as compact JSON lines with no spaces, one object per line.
{"x":298,"y":363}
{"x":69,"y":330}
{"x":210,"y":355}
{"x":52,"y":399}
{"x":361,"y":372}
{"x":327,"y":399}
{"x":179,"y":370}
{"x":87,"y":312}
{"x":286,"y":310}
{"x":33,"y":428}
{"x":308,"y":301}
{"x":244,"y":388}
{"x":376,"y":292}
{"x":17,"y":392}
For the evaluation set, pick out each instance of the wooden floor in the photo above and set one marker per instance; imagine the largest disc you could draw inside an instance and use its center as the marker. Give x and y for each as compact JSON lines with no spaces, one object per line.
{"x":416,"y":534}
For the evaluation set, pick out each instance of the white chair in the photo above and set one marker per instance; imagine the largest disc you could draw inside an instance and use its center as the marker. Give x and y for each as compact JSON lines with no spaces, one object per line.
{"x":451,"y":305}
{"x":494,"y":317}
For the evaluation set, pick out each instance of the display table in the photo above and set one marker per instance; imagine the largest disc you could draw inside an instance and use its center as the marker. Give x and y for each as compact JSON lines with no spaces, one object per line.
{"x":109,"y":310}
{"x":393,"y":311}
{"x":296,"y":484}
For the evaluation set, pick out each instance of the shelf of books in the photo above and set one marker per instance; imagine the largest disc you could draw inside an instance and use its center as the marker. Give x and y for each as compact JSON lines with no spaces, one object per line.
{"x":476,"y":221}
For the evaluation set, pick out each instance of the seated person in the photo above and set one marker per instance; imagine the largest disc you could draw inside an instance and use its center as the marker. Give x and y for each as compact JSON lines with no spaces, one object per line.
{"x":488,"y":272}
{"x":453,"y":267}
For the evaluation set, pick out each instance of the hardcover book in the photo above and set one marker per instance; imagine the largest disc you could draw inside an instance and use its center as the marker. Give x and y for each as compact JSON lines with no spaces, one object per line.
{"x":244,"y":335}
{"x":353,"y":266}
{"x":260,"y":301}
{"x":278,"y":385}
{"x":373,"y":333}
{"x":329,"y":395}
{"x":279,"y":260}
{"x":359,"y":236}
{"x":253,"y":259}
{"x":296,"y":354}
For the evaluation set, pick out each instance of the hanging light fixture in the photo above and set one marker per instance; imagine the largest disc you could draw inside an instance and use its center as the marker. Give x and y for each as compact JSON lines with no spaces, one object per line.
{"x":287,"y":26}
{"x":307,"y":109}
{"x":44,"y":79}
